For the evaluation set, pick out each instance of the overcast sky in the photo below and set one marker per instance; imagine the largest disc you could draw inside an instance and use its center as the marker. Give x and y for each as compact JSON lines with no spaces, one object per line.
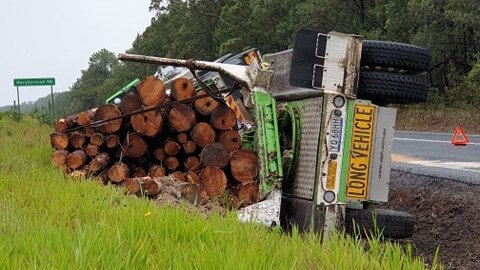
{"x":55,"y":38}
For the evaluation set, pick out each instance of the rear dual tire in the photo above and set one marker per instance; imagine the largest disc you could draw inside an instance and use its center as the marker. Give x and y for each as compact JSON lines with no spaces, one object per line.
{"x":390,"y":73}
{"x":391,"y":224}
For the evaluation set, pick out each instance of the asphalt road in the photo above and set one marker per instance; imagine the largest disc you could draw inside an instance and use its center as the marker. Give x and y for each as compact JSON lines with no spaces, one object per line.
{"x":432,"y":154}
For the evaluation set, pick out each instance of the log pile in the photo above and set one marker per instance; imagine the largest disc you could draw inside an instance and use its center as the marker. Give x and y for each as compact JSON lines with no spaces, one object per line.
{"x":196,"y":143}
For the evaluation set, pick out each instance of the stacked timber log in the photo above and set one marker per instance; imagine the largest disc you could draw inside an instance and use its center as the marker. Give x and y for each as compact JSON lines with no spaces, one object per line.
{"x":195,"y":143}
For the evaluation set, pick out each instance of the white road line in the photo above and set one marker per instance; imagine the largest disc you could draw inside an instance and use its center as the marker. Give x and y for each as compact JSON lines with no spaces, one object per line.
{"x":433,"y":133}
{"x":422,"y":140}
{"x":467,"y":166}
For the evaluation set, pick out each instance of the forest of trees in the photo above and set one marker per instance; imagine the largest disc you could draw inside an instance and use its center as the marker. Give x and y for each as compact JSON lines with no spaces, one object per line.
{"x":207,"y":29}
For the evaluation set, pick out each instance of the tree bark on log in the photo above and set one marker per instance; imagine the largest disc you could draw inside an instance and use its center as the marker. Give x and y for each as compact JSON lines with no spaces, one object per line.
{"x":156,"y":171}
{"x":147,"y":123}
{"x":135,"y":146}
{"x":76,"y":159}
{"x":118,"y":172}
{"x":230,"y":139}
{"x":182,"y":88}
{"x":205,"y":106}
{"x":181,"y":118}
{"x":59,"y":140}
{"x":223,"y":118}
{"x":215,"y":154}
{"x":244,"y":165}
{"x":105,"y":112}
{"x":214,"y":181}
{"x":203,"y":134}
{"x":99,"y":162}
{"x":151,"y":91}
{"x":130,"y":103}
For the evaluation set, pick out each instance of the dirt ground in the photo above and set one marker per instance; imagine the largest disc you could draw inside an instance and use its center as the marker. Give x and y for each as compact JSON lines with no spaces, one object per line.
{"x":446,"y":216}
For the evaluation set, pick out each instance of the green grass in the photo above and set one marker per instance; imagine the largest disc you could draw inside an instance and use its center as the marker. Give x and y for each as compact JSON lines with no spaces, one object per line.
{"x":51,"y":222}
{"x":425,"y":118}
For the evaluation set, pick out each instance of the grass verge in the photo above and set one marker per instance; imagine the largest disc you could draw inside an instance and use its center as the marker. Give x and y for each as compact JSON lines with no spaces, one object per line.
{"x":51,"y":222}
{"x":424,"y":118}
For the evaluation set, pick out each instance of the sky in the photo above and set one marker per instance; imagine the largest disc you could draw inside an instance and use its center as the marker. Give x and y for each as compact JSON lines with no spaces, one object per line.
{"x":55,"y":38}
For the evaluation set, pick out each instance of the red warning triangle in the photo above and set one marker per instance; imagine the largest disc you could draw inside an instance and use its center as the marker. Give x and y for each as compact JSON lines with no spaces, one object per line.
{"x":459,"y":137}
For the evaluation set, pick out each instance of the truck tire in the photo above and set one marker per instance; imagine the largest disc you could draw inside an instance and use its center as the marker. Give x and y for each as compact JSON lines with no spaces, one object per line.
{"x":392,"y":224}
{"x":398,"y":56}
{"x":384,"y":87}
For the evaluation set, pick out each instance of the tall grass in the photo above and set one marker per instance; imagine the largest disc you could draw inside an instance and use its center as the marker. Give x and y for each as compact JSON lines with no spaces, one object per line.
{"x":51,"y":222}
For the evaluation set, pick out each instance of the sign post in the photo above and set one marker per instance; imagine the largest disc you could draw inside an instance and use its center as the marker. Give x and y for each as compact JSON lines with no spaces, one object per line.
{"x":34,"y":82}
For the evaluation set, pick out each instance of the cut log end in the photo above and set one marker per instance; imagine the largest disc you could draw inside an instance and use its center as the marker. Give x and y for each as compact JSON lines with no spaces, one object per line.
{"x":99,"y":162}
{"x":181,"y":118}
{"x":230,"y":139}
{"x":203,"y":134}
{"x":216,"y":155}
{"x":59,"y":158}
{"x":151,"y":91}
{"x":205,"y":106}
{"x":192,"y":164}
{"x":223,"y":118}
{"x":77,"y":139}
{"x":105,"y":112}
{"x":156,"y":171}
{"x":182,"y":88}
{"x":132,"y":185}
{"x":118,"y":172}
{"x":135,"y":146}
{"x":171,"y":163}
{"x":189,"y":147}
{"x":214,"y":181}
{"x":244,"y":165}
{"x":171,"y":148}
{"x":91,"y":150}
{"x":112,"y":141}
{"x":147,"y":123}
{"x":130,"y":103}
{"x":59,"y":140}
{"x":97,"y":139}
{"x":76,"y":159}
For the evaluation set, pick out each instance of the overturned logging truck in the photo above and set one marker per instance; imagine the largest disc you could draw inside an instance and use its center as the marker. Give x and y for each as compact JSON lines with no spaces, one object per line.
{"x":298,"y":138}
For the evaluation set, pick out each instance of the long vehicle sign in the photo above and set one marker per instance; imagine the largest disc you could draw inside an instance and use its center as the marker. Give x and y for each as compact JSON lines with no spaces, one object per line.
{"x":360,"y":151}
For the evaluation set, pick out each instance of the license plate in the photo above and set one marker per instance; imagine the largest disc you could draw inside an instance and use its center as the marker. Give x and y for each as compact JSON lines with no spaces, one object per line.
{"x":335,"y":135}
{"x":360,"y":151}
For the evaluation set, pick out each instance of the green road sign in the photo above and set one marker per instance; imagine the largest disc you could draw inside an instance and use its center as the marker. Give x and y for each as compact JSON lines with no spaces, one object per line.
{"x":33,"y":81}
